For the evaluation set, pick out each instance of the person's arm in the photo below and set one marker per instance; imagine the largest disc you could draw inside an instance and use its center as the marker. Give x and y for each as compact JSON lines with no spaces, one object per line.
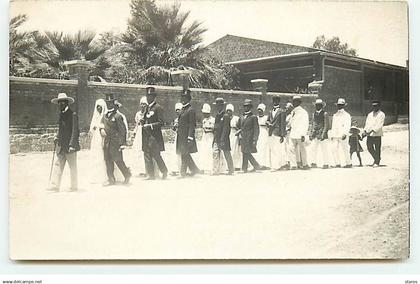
{"x":191,"y":125}
{"x":160,"y":119}
{"x":346,"y":125}
{"x":256,"y":129}
{"x":74,"y":138}
{"x":326,"y":126}
{"x":282,"y":123}
{"x":379,"y":122}
{"x":121,"y":128}
{"x":225,"y":128}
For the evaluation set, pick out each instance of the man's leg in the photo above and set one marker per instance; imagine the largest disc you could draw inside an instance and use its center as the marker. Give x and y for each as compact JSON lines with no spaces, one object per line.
{"x":183,"y":171}
{"x":229,"y":161}
{"x":378,"y":145}
{"x":253,"y":162}
{"x":314,"y":152}
{"x":324,"y":151}
{"x":295,"y":143}
{"x":334,"y":149}
{"x":72,"y":162}
{"x":345,"y":148}
{"x":245,"y":162}
{"x":303,"y":154}
{"x":148,"y":162}
{"x":123,"y":168}
{"x":161,"y":163}
{"x":370,"y":147}
{"x":110,"y":170}
{"x":191,"y":164}
{"x":58,"y":168}
{"x":216,"y":159}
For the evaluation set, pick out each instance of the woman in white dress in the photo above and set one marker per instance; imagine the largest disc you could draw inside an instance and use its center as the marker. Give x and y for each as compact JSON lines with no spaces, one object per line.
{"x":175,"y":159}
{"x":137,"y":142}
{"x":97,"y":143}
{"x":205,"y":146}
{"x":262,"y":155}
{"x":234,"y":140}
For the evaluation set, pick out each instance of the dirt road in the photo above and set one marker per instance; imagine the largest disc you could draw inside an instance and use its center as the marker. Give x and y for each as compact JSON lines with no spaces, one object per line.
{"x":335,"y":213}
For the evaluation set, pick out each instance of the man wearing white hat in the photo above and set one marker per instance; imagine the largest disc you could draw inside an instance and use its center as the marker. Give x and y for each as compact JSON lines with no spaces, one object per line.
{"x":67,"y":141}
{"x":205,"y":145}
{"x":341,"y":123}
{"x":373,"y":130}
{"x":319,"y":136}
{"x":299,"y":125}
{"x":276,"y":123}
{"x":262,"y":154}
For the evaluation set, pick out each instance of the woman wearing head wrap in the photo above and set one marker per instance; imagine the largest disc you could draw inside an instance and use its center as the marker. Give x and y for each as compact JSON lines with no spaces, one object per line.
{"x":137,"y":142}
{"x":262,"y":154}
{"x":97,"y":142}
{"x":234,"y":139}
{"x":205,"y":145}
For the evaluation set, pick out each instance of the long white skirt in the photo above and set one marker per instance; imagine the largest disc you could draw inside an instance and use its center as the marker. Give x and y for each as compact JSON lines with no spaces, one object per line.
{"x":205,"y":152}
{"x":262,"y":156}
{"x":236,"y":150}
{"x":98,"y":168}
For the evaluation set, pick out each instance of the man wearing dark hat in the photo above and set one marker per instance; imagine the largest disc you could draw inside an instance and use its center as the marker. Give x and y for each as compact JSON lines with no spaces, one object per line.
{"x":115,"y":134}
{"x":221,"y":140}
{"x":276,"y":123}
{"x":67,"y":141}
{"x":249,"y":131}
{"x":185,"y":140}
{"x":373,"y":130}
{"x":319,"y":136}
{"x":152,"y":139}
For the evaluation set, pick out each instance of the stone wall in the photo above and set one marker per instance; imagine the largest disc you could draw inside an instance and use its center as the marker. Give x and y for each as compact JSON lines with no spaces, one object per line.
{"x":33,"y":119}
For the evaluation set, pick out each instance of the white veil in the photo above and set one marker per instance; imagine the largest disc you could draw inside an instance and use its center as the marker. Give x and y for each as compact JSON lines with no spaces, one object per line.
{"x":97,"y":117}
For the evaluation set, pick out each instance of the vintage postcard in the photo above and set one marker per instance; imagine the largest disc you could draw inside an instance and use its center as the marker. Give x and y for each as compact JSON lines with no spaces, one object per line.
{"x":148,"y":129}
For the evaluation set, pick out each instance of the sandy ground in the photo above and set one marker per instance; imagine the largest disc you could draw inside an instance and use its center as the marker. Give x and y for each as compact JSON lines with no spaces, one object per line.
{"x":336,"y":213}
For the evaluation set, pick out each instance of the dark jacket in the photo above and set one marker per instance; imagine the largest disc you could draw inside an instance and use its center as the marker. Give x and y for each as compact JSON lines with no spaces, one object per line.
{"x":320,"y":125}
{"x":152,"y":139}
{"x":68,"y":132}
{"x":186,"y":128}
{"x":222,"y":131}
{"x":116,"y":134}
{"x":249,"y":131}
{"x":277,"y":123}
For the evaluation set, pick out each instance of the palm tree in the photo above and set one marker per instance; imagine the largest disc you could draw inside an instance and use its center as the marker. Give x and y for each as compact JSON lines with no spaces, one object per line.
{"x":20,"y":46}
{"x":54,"y":48}
{"x":158,"y":41}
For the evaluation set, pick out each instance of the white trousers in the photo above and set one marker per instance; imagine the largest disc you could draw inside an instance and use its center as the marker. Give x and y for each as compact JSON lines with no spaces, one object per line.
{"x":300,"y":155}
{"x":341,"y":151}
{"x":276,"y":152}
{"x":316,"y":144}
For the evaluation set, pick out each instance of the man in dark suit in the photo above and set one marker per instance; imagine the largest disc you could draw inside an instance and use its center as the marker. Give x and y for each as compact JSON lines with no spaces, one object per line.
{"x":115,"y":133}
{"x":276,"y":124}
{"x":185,"y":140}
{"x":67,"y":141}
{"x":221,"y":140}
{"x":249,"y":132}
{"x":152,"y":139}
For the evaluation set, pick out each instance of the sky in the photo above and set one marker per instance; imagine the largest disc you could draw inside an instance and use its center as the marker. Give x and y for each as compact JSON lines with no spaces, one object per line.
{"x":377,"y":30}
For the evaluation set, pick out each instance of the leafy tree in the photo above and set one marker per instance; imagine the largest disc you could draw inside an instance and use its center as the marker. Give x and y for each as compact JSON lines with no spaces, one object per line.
{"x":333,"y":44}
{"x":158,"y":41}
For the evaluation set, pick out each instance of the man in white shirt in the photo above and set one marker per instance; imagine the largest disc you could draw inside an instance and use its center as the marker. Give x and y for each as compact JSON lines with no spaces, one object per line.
{"x":373,"y":130}
{"x":341,"y":123}
{"x":299,"y":124}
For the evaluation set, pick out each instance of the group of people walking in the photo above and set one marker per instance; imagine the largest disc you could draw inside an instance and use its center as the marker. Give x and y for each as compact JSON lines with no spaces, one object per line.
{"x":280,"y":139}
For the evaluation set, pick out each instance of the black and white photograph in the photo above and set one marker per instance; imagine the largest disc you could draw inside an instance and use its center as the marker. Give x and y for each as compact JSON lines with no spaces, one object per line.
{"x":209,"y":130}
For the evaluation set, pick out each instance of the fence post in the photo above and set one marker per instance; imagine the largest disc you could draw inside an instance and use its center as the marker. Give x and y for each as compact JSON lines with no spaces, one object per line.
{"x":260,"y":85}
{"x":79,"y":70}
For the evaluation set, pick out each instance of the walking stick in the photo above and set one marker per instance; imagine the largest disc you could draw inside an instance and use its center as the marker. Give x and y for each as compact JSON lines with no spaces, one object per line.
{"x":52,"y":163}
